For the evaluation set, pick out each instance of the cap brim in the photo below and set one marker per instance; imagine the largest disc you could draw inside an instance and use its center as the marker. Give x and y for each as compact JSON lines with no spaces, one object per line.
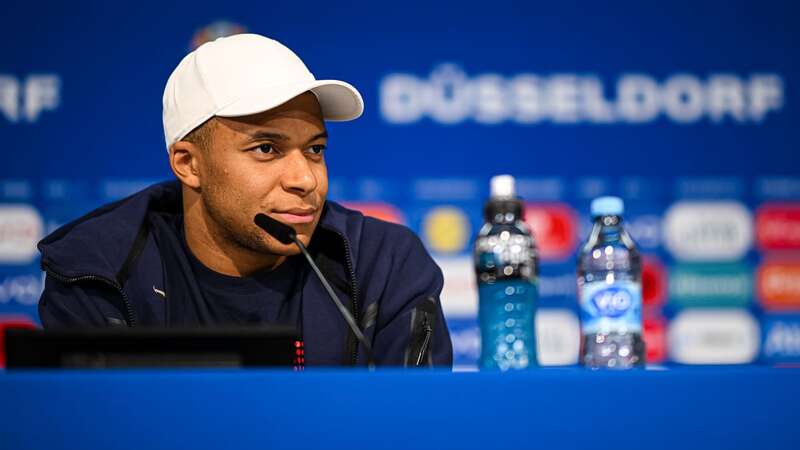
{"x":339,"y":100}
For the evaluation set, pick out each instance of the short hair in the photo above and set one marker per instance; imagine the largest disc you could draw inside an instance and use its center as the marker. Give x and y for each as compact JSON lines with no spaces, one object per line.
{"x":202,"y":135}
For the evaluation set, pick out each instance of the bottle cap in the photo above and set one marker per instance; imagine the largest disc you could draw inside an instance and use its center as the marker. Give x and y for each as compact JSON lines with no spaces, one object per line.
{"x":502,"y":186}
{"x":607,"y":206}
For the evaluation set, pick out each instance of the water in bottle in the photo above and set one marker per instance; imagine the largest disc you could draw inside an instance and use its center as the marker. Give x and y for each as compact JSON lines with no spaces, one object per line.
{"x":506,"y":266}
{"x":610,"y":292}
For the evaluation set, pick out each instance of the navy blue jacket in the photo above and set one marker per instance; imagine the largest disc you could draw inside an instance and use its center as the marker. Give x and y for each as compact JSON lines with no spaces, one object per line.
{"x":105,"y":269}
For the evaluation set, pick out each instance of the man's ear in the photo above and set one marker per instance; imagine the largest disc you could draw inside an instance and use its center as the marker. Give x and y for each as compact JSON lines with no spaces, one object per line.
{"x":185,"y":159}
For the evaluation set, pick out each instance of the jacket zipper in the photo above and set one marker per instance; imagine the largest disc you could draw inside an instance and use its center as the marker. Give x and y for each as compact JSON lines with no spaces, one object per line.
{"x":353,"y":288}
{"x":426,"y":342}
{"x":67,"y":280}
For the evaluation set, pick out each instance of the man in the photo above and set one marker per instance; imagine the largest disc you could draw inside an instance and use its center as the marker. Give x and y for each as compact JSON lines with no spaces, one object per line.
{"x":245,"y":133}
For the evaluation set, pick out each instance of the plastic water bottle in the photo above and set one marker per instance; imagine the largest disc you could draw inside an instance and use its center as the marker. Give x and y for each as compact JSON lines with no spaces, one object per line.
{"x":506,"y":266}
{"x":610,"y":292}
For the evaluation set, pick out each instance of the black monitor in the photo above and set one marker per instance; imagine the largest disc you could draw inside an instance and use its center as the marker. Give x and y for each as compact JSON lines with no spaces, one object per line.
{"x":98,"y":348}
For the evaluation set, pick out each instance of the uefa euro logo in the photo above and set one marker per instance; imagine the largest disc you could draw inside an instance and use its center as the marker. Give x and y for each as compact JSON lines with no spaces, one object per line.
{"x":218,"y":29}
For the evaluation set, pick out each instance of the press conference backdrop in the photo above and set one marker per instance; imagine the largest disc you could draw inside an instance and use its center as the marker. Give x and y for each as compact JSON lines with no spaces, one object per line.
{"x":687,"y":110}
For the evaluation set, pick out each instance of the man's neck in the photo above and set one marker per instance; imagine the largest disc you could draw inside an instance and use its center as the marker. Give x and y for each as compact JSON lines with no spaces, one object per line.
{"x":215,"y":251}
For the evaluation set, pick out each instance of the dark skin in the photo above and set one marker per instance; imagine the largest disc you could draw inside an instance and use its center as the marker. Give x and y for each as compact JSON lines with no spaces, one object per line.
{"x":272,"y":162}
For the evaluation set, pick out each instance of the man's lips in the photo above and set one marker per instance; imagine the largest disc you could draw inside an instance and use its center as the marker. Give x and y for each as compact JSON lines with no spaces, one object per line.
{"x":296,"y":215}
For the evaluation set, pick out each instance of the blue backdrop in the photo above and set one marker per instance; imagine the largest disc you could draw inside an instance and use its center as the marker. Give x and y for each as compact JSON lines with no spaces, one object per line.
{"x":685,"y":109}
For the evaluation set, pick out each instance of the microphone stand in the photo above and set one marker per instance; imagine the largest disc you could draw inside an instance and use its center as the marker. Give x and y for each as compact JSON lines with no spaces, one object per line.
{"x":344,"y":312}
{"x":286,"y":235}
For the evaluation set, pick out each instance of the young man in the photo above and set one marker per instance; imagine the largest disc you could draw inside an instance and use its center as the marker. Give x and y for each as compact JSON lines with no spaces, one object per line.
{"x":244,"y":127}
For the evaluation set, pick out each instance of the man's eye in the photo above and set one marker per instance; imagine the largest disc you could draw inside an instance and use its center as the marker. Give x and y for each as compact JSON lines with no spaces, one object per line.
{"x":265,"y":148}
{"x":317,"y":149}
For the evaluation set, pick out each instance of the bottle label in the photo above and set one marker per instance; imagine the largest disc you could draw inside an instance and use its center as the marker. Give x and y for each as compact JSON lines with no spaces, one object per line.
{"x":614,"y":307}
{"x":507,"y":311}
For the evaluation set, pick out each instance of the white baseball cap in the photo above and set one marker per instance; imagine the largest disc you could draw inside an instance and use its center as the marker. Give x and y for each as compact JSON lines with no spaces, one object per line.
{"x":246,"y":74}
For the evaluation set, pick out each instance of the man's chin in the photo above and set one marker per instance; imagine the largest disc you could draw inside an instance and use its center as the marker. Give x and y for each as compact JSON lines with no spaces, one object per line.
{"x":278,"y":248}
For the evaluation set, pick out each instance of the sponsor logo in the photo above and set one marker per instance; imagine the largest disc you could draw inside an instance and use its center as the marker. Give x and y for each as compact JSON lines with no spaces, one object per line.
{"x":610,"y":306}
{"x":778,"y":226}
{"x":116,"y":189}
{"x":542,"y":189}
{"x":55,"y":191}
{"x":592,"y":187}
{"x":551,"y":285}
{"x":710,"y":285}
{"x":716,"y":336}
{"x":446,"y":229}
{"x":709,"y":187}
{"x":449,"y":95}
{"x":653,"y":282}
{"x":459,"y":293}
{"x":612,"y":301}
{"x":16,"y":190}
{"x":637,"y":189}
{"x":558,"y":337}
{"x":778,"y":187}
{"x":645,"y":230}
{"x":778,"y":285}
{"x":466,"y":337}
{"x":373,"y":189}
{"x":782,"y":338}
{"x":21,"y":289}
{"x":655,"y":340}
{"x":554,"y":228}
{"x":21,"y":228}
{"x":446,"y":189}
{"x":378,"y":210}
{"x":708,"y":231}
{"x":218,"y":29}
{"x":26,"y":100}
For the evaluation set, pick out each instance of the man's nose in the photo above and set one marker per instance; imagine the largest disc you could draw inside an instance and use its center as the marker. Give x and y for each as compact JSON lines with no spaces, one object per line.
{"x":297,"y":175}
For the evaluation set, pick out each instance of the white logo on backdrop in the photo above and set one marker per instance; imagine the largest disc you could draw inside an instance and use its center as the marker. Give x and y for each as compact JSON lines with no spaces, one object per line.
{"x":21,"y":228}
{"x":22,"y":289}
{"x":449,"y":96}
{"x":466,"y":338}
{"x":27,"y":99}
{"x":459,"y":293}
{"x":783,"y":339}
{"x":713,"y":336}
{"x":558,"y":285}
{"x":646,"y":230}
{"x":558,"y":337}
{"x":710,"y":286}
{"x":708,"y":231}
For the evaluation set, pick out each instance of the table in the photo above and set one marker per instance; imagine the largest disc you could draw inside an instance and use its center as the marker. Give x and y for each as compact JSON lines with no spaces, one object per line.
{"x":677,"y":409}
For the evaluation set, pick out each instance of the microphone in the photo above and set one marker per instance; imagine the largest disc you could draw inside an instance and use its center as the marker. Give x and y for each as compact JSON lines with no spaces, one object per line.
{"x":279,"y":230}
{"x":286,"y":235}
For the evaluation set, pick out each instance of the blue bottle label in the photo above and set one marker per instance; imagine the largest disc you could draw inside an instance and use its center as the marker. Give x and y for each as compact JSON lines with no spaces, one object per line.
{"x":507,"y":311}
{"x":611,"y":307}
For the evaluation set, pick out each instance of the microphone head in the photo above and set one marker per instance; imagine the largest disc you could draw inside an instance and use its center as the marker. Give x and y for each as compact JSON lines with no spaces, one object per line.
{"x":280,"y":231}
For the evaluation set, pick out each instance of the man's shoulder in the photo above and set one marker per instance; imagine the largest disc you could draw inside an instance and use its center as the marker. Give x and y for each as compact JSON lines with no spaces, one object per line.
{"x":383,"y":249}
{"x":99,"y":241}
{"x":373,"y":232}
